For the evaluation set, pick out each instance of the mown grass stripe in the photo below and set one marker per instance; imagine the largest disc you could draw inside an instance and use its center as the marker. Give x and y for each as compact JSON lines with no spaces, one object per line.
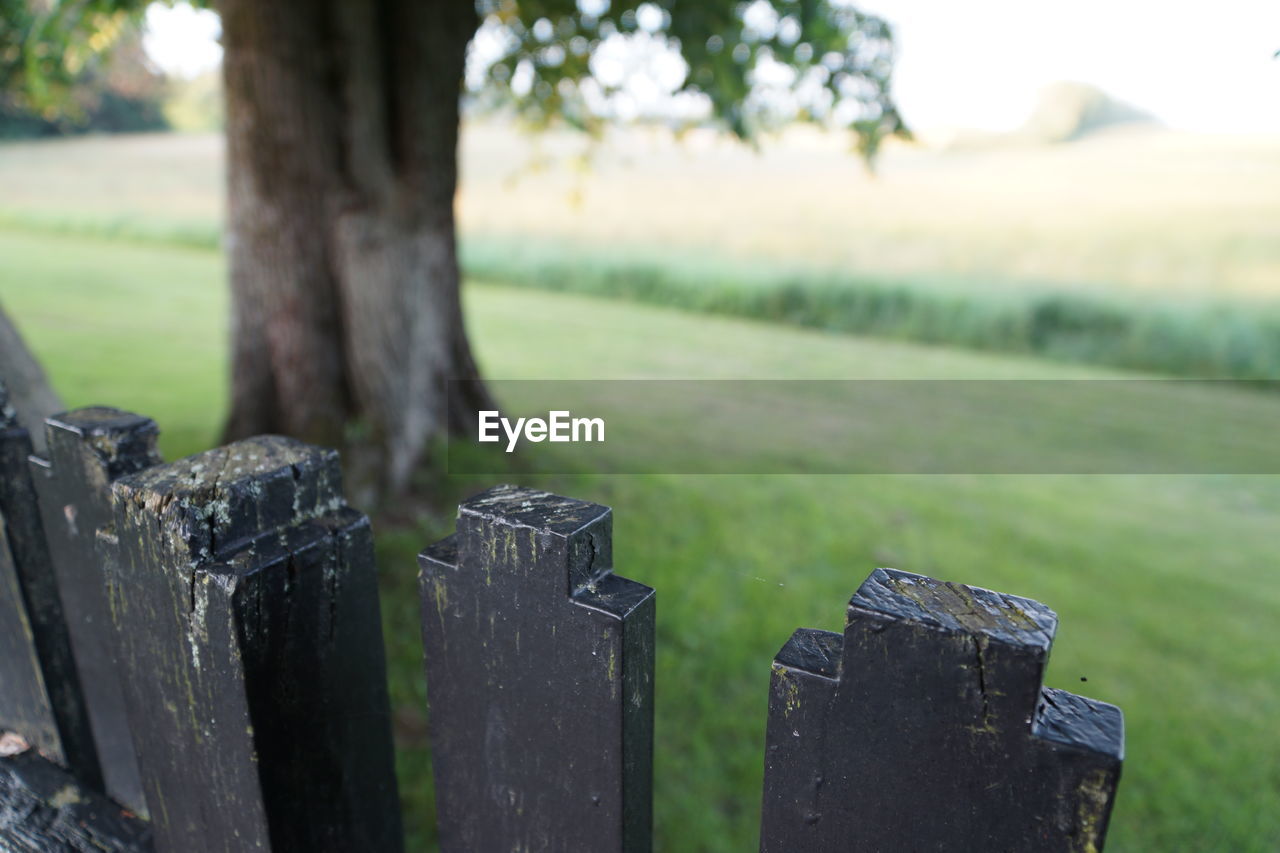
{"x":1197,"y":338}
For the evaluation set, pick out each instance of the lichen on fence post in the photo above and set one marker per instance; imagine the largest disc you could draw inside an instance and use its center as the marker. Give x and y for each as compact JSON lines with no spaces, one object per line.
{"x":246,"y":600}
{"x":926,"y":727}
{"x":41,"y":696}
{"x":539,"y":668}
{"x":87,"y":450}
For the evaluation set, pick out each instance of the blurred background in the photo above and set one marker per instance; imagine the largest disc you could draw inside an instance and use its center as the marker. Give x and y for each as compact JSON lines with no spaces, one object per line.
{"x":1092,"y":190}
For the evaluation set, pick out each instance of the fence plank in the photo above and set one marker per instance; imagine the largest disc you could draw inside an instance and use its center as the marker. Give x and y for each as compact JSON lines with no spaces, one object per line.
{"x":40,"y":693}
{"x":246,"y":599}
{"x":88,"y":449}
{"x":43,"y":809}
{"x":925,"y":727}
{"x":539,"y":668}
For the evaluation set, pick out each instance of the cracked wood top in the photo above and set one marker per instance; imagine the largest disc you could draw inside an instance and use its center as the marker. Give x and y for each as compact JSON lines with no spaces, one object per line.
{"x":1008,"y":619}
{"x":218,"y":502}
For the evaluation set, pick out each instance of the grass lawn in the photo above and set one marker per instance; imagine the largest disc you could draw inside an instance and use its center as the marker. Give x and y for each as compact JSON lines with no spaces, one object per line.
{"x":1151,"y":250}
{"x":1165,"y":586}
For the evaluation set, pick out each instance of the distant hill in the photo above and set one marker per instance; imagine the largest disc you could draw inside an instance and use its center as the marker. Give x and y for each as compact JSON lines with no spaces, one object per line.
{"x":1067,"y":111}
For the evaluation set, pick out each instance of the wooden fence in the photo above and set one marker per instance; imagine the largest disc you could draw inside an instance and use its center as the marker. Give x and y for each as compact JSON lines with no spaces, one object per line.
{"x":191,"y":660}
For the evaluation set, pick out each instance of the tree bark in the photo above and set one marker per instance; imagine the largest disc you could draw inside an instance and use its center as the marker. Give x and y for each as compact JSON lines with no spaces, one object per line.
{"x":342,"y":130}
{"x":29,"y":392}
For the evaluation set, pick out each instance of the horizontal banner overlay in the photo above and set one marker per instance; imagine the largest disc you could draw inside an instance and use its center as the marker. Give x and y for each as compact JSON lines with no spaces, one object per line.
{"x":1138,"y":426}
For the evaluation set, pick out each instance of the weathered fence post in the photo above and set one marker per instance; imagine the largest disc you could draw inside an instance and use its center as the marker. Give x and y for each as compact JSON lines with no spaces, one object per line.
{"x":246,"y":602}
{"x":539,"y":668}
{"x":40,"y":693}
{"x":925,"y":727}
{"x":87,"y":450}
{"x":43,"y":808}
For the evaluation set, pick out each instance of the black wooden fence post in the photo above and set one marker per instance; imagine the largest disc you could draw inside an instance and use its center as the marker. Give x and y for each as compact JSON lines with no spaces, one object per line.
{"x":40,"y":693}
{"x":246,"y":602}
{"x":88,"y":449}
{"x":925,"y":727}
{"x":540,"y":679}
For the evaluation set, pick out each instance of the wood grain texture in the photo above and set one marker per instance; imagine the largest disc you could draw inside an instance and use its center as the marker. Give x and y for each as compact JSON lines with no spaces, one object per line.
{"x":539,"y":668}
{"x":926,"y":727}
{"x":255,"y":678}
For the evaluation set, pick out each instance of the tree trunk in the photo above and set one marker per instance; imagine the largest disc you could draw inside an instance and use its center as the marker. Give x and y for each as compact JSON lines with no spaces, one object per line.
{"x":342,"y":130}
{"x":29,"y":392}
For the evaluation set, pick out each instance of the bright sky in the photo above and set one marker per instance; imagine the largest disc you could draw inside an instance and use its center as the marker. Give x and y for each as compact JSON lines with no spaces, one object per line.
{"x":182,"y":40}
{"x":980,"y":63}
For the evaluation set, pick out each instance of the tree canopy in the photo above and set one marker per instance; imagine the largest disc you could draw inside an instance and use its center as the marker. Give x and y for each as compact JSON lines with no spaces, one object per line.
{"x":754,"y":65}
{"x":45,"y":48}
{"x":750,"y":66}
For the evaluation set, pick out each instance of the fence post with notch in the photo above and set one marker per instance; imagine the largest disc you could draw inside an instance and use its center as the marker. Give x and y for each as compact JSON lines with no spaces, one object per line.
{"x":925,"y":726}
{"x":246,"y":600}
{"x":539,"y":666}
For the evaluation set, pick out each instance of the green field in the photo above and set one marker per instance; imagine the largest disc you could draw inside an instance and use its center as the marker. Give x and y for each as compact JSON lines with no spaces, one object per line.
{"x":1150,"y":212}
{"x":1164,"y":585}
{"x":1146,"y":250}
